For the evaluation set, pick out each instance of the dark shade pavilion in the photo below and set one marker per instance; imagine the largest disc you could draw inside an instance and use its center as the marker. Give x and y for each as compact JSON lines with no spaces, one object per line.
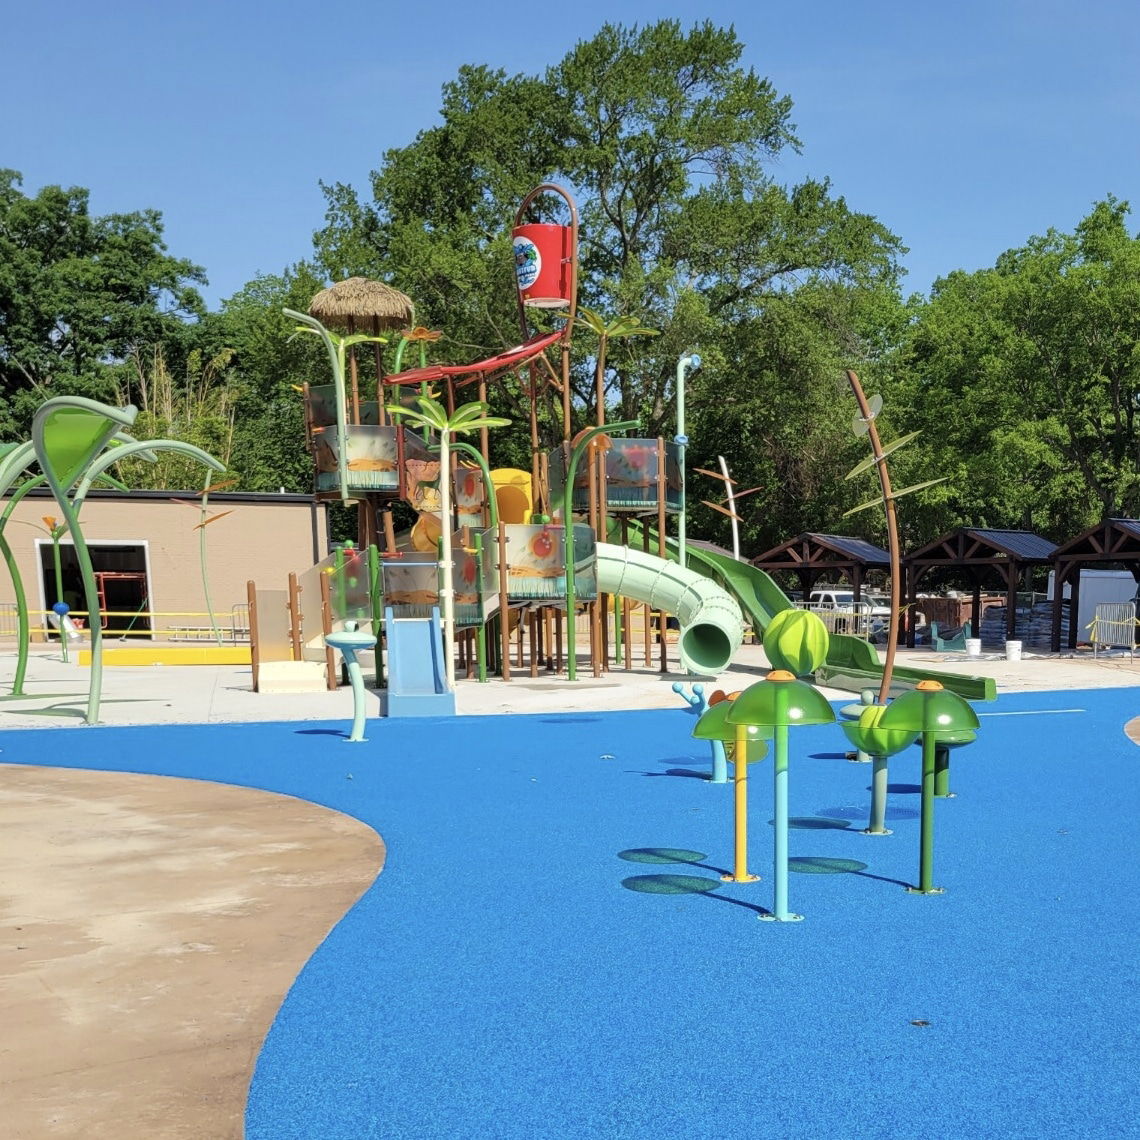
{"x":830,"y":557}
{"x":1002,"y":555}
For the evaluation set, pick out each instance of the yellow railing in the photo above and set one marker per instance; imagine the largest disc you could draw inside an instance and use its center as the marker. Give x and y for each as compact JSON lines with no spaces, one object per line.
{"x":165,"y":625}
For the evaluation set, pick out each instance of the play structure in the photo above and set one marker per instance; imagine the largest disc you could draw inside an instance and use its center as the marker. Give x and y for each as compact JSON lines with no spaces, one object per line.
{"x":500,"y":567}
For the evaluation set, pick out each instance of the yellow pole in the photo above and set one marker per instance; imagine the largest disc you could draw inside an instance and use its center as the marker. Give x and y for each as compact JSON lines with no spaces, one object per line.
{"x":740,"y":798}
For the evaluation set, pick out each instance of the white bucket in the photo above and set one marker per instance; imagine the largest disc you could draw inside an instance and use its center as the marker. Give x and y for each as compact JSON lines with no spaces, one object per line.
{"x":1013,"y":650}
{"x":973,"y":647}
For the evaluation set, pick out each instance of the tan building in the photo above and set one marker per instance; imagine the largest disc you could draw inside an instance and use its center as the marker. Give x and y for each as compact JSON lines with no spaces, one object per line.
{"x":145,"y":551}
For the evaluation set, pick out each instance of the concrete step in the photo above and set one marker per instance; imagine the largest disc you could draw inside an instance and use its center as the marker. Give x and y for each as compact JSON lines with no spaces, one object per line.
{"x":291,"y":677}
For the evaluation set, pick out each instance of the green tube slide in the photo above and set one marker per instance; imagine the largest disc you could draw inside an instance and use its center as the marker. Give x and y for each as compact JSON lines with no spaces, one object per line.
{"x":852,"y":664}
{"x":712,"y":626}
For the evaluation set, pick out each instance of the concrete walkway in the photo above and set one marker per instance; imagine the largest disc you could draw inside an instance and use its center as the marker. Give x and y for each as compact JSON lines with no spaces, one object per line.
{"x":57,"y":692}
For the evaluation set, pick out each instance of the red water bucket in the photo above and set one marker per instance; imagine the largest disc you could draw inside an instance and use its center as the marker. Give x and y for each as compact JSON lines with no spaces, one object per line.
{"x":544,"y":265}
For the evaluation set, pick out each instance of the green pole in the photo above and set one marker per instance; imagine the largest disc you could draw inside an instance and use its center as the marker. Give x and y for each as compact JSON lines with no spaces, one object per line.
{"x":94,"y":616}
{"x":376,"y":601}
{"x":481,"y":629}
{"x":23,"y":626}
{"x":942,"y":770}
{"x":619,"y":631}
{"x":342,"y":598}
{"x":926,"y":842}
{"x":23,"y":630}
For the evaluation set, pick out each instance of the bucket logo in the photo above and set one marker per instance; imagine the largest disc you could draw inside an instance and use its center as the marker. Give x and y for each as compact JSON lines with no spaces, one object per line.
{"x":528,"y":262}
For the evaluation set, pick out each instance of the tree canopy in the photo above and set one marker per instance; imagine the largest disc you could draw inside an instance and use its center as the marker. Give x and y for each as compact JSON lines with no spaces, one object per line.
{"x":666,"y":141}
{"x":1024,"y":378}
{"x":79,"y":293}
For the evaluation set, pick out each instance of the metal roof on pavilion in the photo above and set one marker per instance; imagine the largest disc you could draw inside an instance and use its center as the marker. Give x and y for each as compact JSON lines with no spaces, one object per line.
{"x":980,"y":547}
{"x":811,"y":556}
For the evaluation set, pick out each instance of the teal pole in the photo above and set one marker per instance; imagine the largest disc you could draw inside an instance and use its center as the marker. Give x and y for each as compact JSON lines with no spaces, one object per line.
{"x":780,"y":790}
{"x":356,"y":679}
{"x":877,"y":825}
{"x":690,"y":360}
{"x":568,"y":533}
{"x":780,"y":912}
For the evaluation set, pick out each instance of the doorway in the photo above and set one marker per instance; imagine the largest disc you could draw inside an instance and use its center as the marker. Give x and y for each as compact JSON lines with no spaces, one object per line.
{"x":121,"y":578}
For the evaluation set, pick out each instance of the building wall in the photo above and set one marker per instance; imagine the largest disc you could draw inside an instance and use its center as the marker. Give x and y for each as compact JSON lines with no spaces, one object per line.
{"x":264,"y":538}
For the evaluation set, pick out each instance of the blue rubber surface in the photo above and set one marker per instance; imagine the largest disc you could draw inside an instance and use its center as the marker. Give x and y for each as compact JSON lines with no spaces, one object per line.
{"x":549,"y":951}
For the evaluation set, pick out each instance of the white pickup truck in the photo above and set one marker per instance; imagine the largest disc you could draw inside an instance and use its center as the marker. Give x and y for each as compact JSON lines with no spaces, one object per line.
{"x":837,"y":606}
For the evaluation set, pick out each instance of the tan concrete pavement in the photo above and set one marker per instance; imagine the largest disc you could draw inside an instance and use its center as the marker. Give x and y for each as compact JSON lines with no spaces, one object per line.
{"x":149,"y":929}
{"x":222,"y":694}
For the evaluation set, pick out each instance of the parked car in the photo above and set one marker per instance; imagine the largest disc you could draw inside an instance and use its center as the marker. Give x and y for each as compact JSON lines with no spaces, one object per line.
{"x":841,"y":598}
{"x":868,"y":618}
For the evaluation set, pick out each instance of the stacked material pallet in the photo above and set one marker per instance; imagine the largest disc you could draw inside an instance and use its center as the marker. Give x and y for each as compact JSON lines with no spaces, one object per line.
{"x":1033,"y":625}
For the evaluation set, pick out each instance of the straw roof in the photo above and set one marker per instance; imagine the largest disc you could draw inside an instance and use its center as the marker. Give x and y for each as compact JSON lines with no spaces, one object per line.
{"x":362,"y":299}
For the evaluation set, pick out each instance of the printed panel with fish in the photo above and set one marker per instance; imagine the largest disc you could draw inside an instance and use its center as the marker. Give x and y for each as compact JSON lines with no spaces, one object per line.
{"x":536,"y":561}
{"x":631,"y":476}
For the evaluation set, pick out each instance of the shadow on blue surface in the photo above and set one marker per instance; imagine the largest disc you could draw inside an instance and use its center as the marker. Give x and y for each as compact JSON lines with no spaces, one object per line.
{"x":814,"y":823}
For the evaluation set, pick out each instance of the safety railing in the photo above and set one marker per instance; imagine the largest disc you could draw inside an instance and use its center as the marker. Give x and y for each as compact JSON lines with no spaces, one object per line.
{"x":163,"y":625}
{"x":856,"y":622}
{"x":1114,"y":627}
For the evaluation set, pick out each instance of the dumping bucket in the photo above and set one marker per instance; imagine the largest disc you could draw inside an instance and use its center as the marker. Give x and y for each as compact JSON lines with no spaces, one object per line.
{"x":544,"y":264}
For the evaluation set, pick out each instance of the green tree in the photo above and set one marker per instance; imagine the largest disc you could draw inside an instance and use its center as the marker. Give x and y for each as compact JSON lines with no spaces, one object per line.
{"x":1026,"y":378}
{"x":79,"y":293}
{"x":772,"y":397}
{"x":666,"y":140}
{"x":197,"y":408}
{"x":267,"y":370}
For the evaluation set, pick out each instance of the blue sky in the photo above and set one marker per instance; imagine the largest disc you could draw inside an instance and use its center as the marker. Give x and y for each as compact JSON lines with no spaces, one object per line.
{"x":964,"y":128}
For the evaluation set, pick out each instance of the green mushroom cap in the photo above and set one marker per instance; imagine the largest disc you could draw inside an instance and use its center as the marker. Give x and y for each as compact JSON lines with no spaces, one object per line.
{"x":780,"y":700}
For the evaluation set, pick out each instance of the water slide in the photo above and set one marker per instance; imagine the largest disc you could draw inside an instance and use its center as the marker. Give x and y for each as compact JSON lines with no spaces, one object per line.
{"x":712,"y":626}
{"x":852,"y":663}
{"x":417,"y":680}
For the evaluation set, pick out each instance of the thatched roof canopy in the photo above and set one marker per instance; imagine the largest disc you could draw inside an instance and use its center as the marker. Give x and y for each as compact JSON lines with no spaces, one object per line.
{"x":363,"y":301}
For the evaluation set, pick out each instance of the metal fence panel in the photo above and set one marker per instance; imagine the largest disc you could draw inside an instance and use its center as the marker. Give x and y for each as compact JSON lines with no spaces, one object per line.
{"x":1114,"y":627}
